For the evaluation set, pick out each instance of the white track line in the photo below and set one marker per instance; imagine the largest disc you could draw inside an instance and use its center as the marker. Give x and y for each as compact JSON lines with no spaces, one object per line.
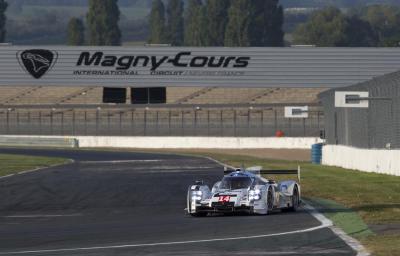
{"x":353,"y":243}
{"x":7,"y":176}
{"x":36,"y":169}
{"x":322,"y":226}
{"x":218,"y":162}
{"x":120,"y":161}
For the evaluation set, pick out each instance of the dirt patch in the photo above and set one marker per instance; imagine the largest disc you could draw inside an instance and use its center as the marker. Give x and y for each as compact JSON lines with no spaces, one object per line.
{"x":386,"y":229}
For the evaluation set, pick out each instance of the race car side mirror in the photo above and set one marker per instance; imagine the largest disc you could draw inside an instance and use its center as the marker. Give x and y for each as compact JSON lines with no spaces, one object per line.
{"x":199,"y":182}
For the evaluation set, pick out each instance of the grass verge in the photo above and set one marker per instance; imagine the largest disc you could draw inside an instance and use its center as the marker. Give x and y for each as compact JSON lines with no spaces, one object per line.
{"x":11,"y":164}
{"x":343,"y":217}
{"x":383,"y":245}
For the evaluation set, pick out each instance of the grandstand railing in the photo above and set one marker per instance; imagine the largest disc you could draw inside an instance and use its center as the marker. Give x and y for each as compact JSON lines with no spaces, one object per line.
{"x":238,"y":120}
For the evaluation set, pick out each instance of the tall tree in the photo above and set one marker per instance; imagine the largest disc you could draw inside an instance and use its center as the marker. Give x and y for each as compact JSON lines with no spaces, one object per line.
{"x":102,"y":18}
{"x":266,"y":23}
{"x":385,"y":21}
{"x":359,"y":33}
{"x":330,"y":27}
{"x":3,"y":7}
{"x":175,"y":22}
{"x":237,"y":29}
{"x":76,"y":32}
{"x":196,"y":24}
{"x":324,"y":28}
{"x":157,"y":23}
{"x":217,"y":19}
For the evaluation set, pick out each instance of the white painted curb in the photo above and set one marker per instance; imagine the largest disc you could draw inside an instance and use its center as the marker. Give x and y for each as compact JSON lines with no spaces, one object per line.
{"x":353,"y":243}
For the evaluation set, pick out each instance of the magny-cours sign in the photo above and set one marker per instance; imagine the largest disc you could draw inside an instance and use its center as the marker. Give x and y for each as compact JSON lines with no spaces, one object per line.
{"x":183,"y":66}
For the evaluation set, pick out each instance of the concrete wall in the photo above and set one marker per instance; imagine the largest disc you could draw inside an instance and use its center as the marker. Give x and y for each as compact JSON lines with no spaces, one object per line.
{"x":190,"y":142}
{"x":197,"y":142}
{"x":367,"y":160}
{"x":17,"y":141}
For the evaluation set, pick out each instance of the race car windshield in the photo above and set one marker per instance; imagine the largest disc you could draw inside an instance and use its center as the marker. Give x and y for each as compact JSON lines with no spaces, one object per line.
{"x":233,"y":183}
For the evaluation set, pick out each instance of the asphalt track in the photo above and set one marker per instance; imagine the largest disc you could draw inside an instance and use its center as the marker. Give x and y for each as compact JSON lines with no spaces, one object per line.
{"x":116,"y":203}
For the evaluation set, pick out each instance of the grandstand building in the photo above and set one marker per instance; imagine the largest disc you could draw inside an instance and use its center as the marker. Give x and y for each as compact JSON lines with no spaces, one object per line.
{"x":174,"y":95}
{"x":195,"y":92}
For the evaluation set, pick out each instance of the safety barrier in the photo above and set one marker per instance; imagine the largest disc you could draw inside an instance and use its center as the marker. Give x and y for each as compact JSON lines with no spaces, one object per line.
{"x":184,"y":142}
{"x":316,"y":153}
{"x":198,"y":142}
{"x":25,"y":141}
{"x":367,"y":160}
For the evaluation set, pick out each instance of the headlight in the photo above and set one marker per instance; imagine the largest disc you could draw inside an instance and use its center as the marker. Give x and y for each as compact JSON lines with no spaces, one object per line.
{"x":254,"y":195}
{"x":196,"y":195}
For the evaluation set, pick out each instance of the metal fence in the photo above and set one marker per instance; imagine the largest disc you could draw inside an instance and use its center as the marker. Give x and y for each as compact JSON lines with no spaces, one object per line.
{"x":227,"y":121}
{"x":375,"y":127}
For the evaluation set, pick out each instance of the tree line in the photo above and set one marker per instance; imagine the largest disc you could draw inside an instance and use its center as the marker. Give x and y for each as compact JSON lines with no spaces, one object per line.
{"x":3,"y":7}
{"x":102,"y":23}
{"x":222,"y":23}
{"x":370,"y":26}
{"x":217,"y":23}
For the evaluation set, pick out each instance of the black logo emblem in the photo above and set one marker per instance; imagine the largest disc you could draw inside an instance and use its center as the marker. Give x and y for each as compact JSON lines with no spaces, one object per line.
{"x":37,"y":61}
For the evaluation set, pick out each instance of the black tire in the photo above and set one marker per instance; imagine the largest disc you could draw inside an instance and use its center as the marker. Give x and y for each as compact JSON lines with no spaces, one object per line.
{"x":199,"y":214}
{"x":295,"y":200}
{"x":270,"y":201}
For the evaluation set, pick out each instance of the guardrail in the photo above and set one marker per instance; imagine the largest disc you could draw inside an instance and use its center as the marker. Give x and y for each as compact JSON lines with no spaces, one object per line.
{"x":200,"y":121}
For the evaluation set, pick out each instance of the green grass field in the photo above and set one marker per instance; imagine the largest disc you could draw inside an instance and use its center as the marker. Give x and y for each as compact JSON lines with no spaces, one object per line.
{"x":10,"y":164}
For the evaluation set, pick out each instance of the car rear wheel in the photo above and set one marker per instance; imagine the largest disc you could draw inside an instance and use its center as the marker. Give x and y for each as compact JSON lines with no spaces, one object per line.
{"x":295,"y":200}
{"x":270,"y":201}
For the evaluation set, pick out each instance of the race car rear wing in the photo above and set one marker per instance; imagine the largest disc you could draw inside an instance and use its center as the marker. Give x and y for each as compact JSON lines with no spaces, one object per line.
{"x":283,"y":172}
{"x":259,"y":171}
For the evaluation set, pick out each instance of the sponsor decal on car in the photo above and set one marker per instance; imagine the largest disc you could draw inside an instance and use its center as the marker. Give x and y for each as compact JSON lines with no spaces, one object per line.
{"x":224,"y":199}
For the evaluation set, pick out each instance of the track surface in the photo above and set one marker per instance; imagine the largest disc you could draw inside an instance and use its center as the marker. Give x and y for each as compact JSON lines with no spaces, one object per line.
{"x":121,"y":205}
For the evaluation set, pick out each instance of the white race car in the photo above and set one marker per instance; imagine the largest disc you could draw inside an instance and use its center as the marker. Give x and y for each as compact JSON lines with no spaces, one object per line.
{"x":245,"y":190}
